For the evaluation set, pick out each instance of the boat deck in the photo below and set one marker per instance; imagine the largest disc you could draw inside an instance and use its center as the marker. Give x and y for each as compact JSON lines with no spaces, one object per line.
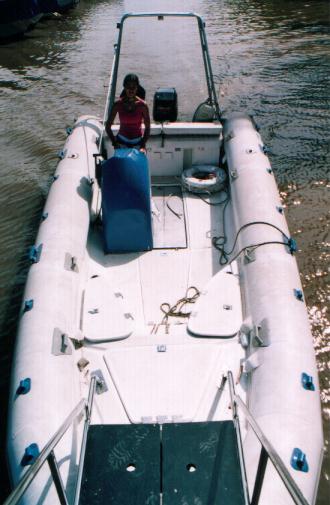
{"x":158,"y":367}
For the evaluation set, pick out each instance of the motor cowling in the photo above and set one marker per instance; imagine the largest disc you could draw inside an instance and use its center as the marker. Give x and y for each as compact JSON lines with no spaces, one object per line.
{"x":165,"y":106}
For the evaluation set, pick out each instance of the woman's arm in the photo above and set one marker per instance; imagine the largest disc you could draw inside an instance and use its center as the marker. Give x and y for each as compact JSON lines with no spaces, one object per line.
{"x":146,"y":120}
{"x":109,"y":123}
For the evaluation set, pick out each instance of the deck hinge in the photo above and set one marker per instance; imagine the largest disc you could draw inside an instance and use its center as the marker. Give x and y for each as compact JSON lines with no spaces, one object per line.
{"x":101,"y":386}
{"x":71,"y":263}
{"x":146,"y":419}
{"x":162,"y":419}
{"x":61,"y":343}
{"x":251,"y":363}
{"x":244,"y":333}
{"x":244,"y":339}
{"x":249,"y":255}
{"x":258,"y":338}
{"x":82,"y":363}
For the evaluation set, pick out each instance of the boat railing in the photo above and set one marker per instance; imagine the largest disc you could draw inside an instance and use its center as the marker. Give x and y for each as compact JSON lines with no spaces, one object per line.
{"x":267,"y":451}
{"x":212,"y":95}
{"x":47,"y":454}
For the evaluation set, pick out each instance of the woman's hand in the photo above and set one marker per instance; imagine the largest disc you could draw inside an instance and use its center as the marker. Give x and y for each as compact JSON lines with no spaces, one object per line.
{"x":143,"y":150}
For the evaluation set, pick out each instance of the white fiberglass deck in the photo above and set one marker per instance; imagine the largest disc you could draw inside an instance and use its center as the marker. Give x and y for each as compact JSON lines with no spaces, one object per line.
{"x":161,"y":369}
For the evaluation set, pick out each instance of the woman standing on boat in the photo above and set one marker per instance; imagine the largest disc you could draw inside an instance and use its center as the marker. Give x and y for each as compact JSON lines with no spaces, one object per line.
{"x":132,"y":111}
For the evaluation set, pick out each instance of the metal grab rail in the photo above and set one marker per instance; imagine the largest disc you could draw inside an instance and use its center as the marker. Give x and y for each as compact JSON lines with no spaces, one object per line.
{"x":267,"y":452}
{"x":47,"y":454}
{"x":238,"y":439}
{"x":160,"y":15}
{"x":89,"y":407}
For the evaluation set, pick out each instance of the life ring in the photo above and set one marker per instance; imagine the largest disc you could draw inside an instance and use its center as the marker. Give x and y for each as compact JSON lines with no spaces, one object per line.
{"x":203,"y":179}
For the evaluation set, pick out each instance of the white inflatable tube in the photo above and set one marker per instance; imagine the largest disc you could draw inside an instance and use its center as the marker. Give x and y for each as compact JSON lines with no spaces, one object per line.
{"x":287,"y":412}
{"x":53,"y":301}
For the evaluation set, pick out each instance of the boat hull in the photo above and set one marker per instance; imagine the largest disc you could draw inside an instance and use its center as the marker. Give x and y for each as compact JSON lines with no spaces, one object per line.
{"x":48,"y":6}
{"x":275,"y":332}
{"x":18,"y":17}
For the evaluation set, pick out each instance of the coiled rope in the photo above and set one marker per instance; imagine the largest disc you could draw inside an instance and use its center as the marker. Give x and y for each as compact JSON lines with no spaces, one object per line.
{"x":176,"y":310}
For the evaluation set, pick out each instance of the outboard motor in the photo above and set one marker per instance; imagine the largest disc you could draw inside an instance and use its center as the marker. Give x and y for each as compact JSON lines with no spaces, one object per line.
{"x":165,"y":106}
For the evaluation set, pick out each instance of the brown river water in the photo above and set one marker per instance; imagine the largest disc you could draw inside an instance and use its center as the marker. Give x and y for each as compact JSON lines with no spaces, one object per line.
{"x":270,"y":59}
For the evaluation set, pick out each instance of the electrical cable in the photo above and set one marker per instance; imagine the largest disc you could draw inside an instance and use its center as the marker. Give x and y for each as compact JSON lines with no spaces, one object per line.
{"x":254,"y":246}
{"x":214,"y":203}
{"x":179,"y":216}
{"x":219,"y":242}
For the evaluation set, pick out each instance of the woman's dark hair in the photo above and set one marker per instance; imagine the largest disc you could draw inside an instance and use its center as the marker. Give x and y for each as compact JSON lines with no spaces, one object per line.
{"x":141,"y":92}
{"x":131,"y":78}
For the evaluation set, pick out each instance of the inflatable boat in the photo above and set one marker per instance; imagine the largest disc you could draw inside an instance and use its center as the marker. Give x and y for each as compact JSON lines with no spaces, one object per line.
{"x":164,"y":353}
{"x":18,"y":17}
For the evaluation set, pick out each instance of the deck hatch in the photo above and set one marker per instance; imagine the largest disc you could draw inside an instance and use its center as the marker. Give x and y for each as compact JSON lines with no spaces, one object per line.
{"x":105,"y":315}
{"x":168,"y":217}
{"x":122,"y":465}
{"x":218,"y":310}
{"x":201,"y":464}
{"x":185,"y":463}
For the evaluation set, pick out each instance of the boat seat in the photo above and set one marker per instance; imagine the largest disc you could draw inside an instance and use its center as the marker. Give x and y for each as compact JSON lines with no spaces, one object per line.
{"x":105,"y":316}
{"x":218,"y":310}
